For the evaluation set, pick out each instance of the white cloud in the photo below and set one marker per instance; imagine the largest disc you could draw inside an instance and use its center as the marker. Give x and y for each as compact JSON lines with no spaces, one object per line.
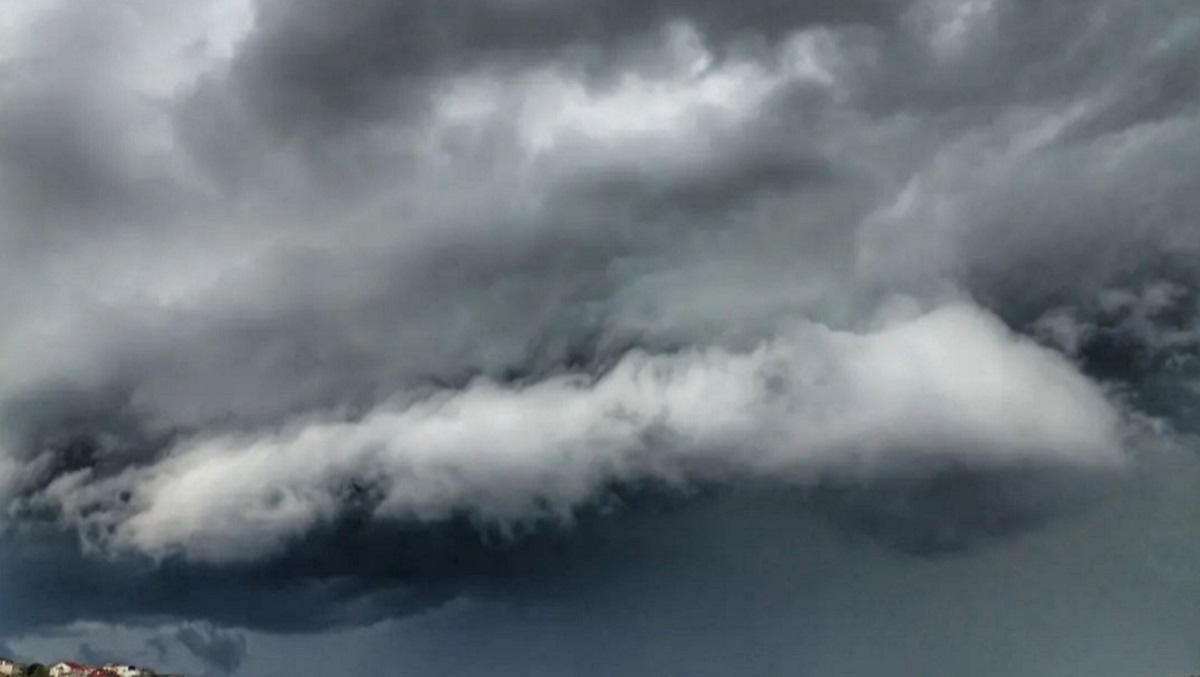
{"x":952,"y":384}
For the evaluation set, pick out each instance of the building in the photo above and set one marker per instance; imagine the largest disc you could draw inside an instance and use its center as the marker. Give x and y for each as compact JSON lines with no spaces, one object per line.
{"x":120,"y":670}
{"x":7,"y":667}
{"x":69,"y":669}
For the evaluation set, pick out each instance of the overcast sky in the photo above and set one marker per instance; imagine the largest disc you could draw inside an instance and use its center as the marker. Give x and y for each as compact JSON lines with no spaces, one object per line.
{"x":601,"y":337}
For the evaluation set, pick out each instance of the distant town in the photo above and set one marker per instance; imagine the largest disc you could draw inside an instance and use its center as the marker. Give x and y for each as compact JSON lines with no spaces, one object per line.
{"x":11,"y":668}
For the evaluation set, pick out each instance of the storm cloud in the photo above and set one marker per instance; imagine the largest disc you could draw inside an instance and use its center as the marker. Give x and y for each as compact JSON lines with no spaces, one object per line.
{"x":318,"y":313}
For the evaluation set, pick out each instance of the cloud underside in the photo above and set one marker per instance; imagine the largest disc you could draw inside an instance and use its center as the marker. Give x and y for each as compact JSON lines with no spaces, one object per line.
{"x":271,"y":269}
{"x":817,"y":401}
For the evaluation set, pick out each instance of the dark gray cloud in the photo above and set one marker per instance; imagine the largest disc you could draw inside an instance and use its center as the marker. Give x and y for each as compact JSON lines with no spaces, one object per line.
{"x":223,"y":650}
{"x":97,"y":656}
{"x":316,"y":314}
{"x":753,"y":584}
{"x":314,"y":67}
{"x":359,"y":572}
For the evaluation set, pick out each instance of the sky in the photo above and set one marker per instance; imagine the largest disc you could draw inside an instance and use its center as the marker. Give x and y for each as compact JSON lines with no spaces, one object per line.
{"x":601,"y":337}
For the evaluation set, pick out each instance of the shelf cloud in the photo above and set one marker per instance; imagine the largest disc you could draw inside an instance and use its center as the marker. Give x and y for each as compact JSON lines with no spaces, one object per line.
{"x":466,"y":278}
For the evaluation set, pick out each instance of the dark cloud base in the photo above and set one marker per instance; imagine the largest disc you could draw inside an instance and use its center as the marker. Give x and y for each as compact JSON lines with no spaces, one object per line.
{"x":361,"y":571}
